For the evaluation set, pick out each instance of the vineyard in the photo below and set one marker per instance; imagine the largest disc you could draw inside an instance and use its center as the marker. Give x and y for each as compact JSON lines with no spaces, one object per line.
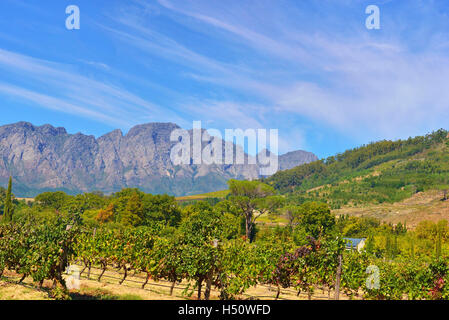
{"x":204,"y":257}
{"x":221,"y":248}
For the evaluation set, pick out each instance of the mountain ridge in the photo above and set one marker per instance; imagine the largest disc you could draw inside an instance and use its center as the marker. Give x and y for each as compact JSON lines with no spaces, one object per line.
{"x":48,"y":158}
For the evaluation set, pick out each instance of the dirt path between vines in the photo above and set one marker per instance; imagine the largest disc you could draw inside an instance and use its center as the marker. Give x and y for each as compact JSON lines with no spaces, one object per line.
{"x":110,"y":289}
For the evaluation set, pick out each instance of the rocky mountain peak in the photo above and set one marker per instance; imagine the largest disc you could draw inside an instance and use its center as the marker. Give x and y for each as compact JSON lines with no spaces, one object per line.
{"x":48,"y":129}
{"x":45,"y":158}
{"x":150,"y":128}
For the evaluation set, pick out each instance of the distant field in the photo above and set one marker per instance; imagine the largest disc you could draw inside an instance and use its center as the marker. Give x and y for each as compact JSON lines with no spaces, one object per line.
{"x":216,"y":194}
{"x":26,"y":199}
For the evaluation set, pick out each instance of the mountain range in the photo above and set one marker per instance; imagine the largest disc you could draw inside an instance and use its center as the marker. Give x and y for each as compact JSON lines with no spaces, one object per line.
{"x":45,"y":158}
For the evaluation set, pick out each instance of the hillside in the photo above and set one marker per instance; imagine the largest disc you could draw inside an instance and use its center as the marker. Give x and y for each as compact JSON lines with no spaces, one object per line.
{"x":419,"y":207}
{"x":380,"y":172}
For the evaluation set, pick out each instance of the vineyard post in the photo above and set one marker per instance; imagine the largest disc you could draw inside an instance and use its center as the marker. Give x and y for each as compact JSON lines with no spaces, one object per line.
{"x":337,"y":280}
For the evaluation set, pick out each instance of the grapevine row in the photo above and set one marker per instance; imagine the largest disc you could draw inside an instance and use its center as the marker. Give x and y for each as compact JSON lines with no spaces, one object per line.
{"x":43,"y":251}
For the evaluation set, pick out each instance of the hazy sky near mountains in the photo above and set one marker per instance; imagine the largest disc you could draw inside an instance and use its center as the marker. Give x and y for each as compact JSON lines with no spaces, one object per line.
{"x":308,"y":68}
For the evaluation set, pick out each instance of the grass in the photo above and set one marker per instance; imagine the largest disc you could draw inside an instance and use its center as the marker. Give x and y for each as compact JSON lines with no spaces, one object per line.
{"x":10,"y":290}
{"x":272,"y":219}
{"x":109,"y":289}
{"x":25,"y":199}
{"x":216,"y":194}
{"x":89,"y":293}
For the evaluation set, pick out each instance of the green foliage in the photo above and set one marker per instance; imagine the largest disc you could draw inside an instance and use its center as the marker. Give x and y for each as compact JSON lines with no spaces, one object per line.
{"x":40,"y":250}
{"x":205,"y":252}
{"x":317,"y":219}
{"x":55,"y":200}
{"x":127,"y":208}
{"x":161,"y":208}
{"x":355,"y":227}
{"x":430,"y":230}
{"x":202,"y":243}
{"x":292,"y":213}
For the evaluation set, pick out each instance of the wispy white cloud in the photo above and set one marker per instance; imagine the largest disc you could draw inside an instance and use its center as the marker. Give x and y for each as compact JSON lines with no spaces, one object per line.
{"x":197,"y":66}
{"x":96,"y":64}
{"x":157,"y":44}
{"x":256,"y":39}
{"x":381,"y":90}
{"x":227,"y":114}
{"x":61,"y":87}
{"x":361,"y":85}
{"x":56,"y":104}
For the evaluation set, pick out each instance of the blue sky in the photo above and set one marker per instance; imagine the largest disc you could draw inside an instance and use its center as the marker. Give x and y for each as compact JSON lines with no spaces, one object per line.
{"x":308,"y":68}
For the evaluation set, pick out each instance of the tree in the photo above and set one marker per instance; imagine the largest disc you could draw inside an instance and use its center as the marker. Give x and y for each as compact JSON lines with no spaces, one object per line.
{"x":55,"y":200}
{"x":8,"y":210}
{"x":133,"y":213}
{"x":106,"y":215}
{"x":292,"y":213}
{"x":253,"y":199}
{"x":161,"y":208}
{"x":429,"y":230}
{"x":236,"y":221}
{"x":317,"y":219}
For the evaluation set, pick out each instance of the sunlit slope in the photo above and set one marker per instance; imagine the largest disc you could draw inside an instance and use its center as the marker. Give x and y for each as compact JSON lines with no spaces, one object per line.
{"x":381,"y":172}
